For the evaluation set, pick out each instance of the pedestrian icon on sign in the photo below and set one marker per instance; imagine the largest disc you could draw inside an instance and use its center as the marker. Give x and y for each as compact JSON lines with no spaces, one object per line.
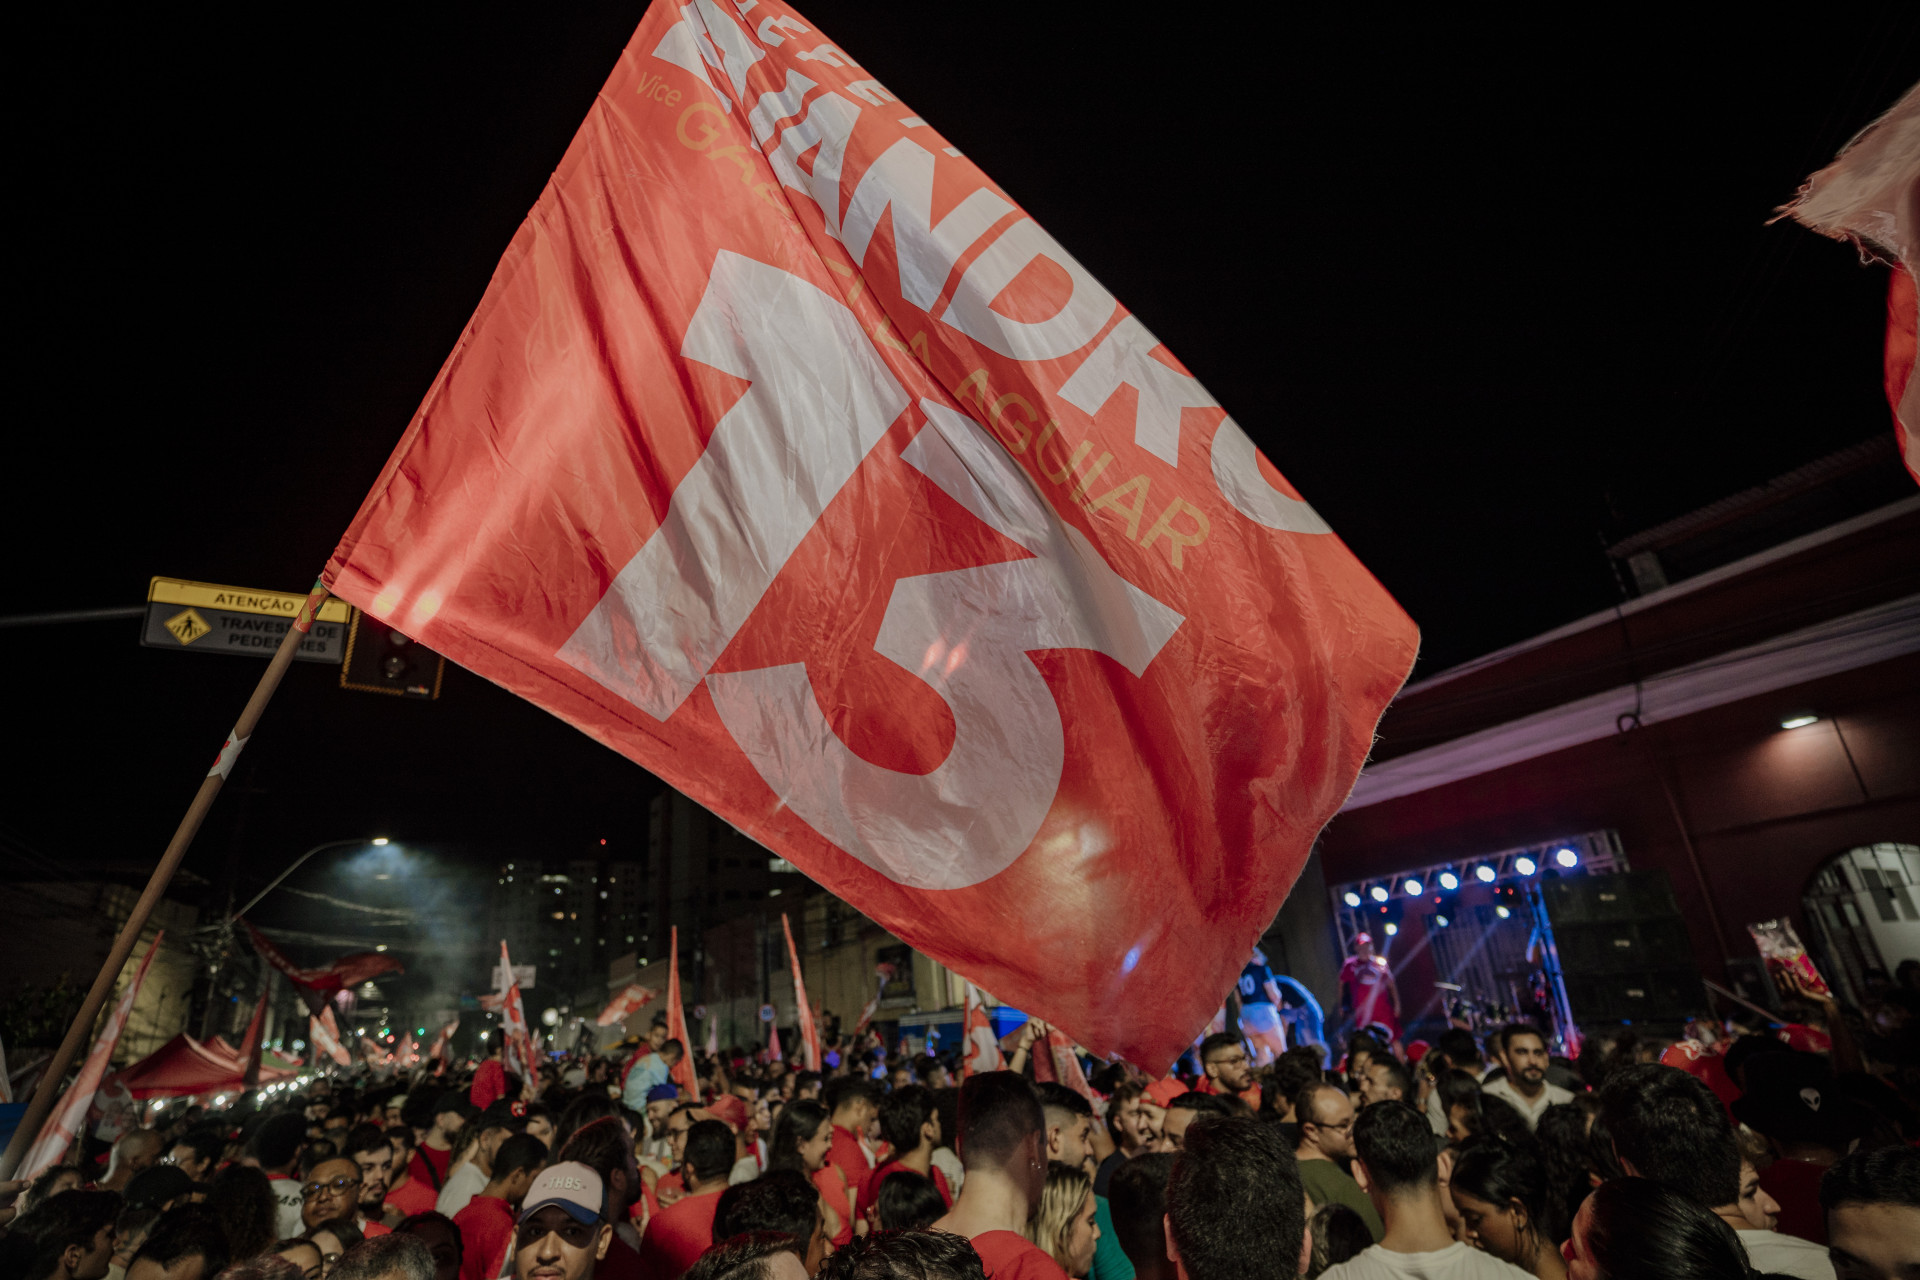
{"x":187,"y":626}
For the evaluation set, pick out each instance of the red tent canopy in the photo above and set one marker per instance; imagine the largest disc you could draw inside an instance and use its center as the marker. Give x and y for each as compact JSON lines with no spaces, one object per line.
{"x":183,"y":1067}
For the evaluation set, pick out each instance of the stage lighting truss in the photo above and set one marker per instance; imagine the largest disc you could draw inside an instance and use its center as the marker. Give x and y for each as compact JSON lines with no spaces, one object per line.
{"x":1595,"y":853}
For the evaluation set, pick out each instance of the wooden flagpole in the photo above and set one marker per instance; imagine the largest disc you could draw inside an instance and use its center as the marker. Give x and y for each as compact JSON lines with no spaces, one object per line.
{"x":49,"y":1086}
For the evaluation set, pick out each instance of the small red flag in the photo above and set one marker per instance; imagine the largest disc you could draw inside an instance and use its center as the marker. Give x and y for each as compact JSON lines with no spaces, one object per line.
{"x":682,"y":1071}
{"x":982,"y":1046}
{"x":69,"y":1115}
{"x":809,"y":1031}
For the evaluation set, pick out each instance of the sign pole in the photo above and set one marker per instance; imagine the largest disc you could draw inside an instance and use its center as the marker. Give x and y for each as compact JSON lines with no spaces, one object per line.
{"x":43,"y":1095}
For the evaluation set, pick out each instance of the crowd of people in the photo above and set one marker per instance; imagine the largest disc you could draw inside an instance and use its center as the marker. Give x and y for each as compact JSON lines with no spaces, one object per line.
{"x":1716,"y":1158}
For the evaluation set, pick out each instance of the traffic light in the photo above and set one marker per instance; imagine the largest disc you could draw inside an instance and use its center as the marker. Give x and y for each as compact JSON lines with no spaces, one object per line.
{"x":381,"y":659}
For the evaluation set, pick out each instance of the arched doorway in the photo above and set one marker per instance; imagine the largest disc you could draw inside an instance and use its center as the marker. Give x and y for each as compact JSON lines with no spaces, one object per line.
{"x":1863,"y":908}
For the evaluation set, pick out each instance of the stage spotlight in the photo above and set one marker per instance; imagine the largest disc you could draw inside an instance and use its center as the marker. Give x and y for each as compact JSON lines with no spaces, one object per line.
{"x":1351,"y":898}
{"x":1414,"y":888}
{"x":1485,"y":875}
{"x":1378,"y":892}
{"x":1502,"y":912}
{"x":1567,"y":858}
{"x":1443,"y":921}
{"x":1392,"y":928}
{"x":1525,"y":866}
{"x":1449,"y":881}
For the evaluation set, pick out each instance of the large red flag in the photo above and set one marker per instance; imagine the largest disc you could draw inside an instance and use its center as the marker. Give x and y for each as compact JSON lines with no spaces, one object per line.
{"x":786,"y":455}
{"x":64,"y":1124}
{"x":809,"y":1032}
{"x":682,"y":1071}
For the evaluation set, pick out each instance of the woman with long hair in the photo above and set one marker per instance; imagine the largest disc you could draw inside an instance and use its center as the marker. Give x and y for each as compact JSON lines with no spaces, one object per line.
{"x":1479,"y":1114}
{"x":1500,"y":1189}
{"x":242,"y":1197}
{"x":1633,"y":1229}
{"x":802,"y":1136}
{"x":1566,"y":1158}
{"x":1063,"y":1225}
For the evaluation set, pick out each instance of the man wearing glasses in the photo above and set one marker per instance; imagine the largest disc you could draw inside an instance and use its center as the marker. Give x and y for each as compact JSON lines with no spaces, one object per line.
{"x":332,"y":1190}
{"x":1325,"y":1114}
{"x":561,"y":1235}
{"x":1223,"y":1056}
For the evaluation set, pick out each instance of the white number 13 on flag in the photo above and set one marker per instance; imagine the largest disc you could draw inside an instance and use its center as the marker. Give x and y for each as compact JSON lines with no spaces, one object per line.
{"x":820,"y":400}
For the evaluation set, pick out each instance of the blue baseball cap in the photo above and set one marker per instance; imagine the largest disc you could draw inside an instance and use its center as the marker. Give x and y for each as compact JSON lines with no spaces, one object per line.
{"x":569,"y":1184}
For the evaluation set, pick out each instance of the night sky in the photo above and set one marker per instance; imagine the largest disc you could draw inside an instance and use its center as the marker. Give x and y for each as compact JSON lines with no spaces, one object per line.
{"x":1489,"y":290}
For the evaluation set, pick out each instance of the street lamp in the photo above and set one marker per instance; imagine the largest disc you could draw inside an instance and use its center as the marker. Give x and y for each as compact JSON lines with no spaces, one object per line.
{"x":294,"y":866}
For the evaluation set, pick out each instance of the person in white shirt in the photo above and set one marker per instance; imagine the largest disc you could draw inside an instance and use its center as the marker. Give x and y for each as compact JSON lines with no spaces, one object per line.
{"x":1669,"y":1128}
{"x":1771,"y":1251}
{"x":1398,"y":1166}
{"x":1522,"y":1050}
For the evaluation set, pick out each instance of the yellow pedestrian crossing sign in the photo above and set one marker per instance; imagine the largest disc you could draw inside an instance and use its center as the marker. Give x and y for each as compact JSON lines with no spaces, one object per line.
{"x":187,"y":626}
{"x":209,"y":618}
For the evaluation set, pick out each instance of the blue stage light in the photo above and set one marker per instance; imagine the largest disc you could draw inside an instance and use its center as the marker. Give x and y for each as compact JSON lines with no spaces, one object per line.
{"x":1448,"y":880}
{"x":1351,"y":898}
{"x":1567,"y":858}
{"x":1378,"y":893}
{"x":1524,"y":865}
{"x":1414,"y":888}
{"x":1485,"y":875}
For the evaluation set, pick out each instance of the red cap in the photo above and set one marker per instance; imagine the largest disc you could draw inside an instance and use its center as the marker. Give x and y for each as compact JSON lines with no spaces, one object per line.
{"x":730,"y":1109}
{"x":1164,"y":1091}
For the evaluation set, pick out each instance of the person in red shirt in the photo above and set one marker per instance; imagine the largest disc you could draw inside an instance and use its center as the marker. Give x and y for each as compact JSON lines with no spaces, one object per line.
{"x":490,"y":1081}
{"x":1367,"y":990}
{"x":406,"y":1194}
{"x":486,"y":1224}
{"x":911,"y":1127}
{"x":434,"y":1156}
{"x":681,"y":1232}
{"x":854,"y":1106}
{"x":1003,"y":1133}
{"x":561,"y":1234}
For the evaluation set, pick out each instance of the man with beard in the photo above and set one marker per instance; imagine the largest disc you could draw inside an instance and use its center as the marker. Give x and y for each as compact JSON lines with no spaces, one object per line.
{"x":1523,"y":1052}
{"x":1223,"y":1056}
{"x":372,"y":1155}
